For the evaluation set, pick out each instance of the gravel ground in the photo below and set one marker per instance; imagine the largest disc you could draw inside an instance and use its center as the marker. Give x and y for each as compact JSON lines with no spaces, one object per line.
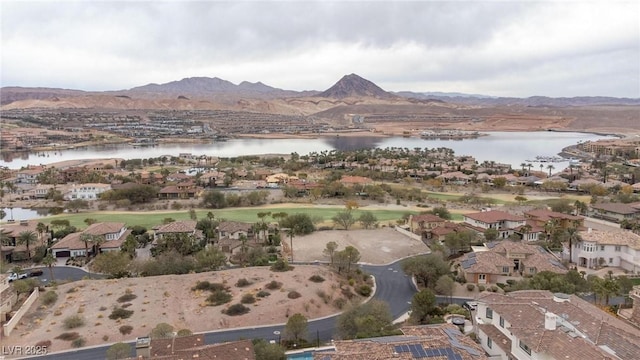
{"x":376,"y":246}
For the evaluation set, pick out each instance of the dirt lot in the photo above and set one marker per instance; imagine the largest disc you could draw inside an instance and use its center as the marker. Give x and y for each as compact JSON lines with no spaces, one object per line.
{"x":379,"y":246}
{"x":170,"y":299}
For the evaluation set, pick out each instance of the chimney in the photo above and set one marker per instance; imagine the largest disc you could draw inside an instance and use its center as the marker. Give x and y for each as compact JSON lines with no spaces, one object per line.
{"x":550,"y":321}
{"x":143,"y":350}
{"x":589,"y":230}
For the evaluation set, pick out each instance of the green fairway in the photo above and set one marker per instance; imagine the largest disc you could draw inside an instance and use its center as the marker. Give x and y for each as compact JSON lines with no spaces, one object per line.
{"x":151,"y":219}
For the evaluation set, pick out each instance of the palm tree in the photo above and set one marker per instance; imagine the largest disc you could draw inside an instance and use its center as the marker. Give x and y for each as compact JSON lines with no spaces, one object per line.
{"x":541,"y":167}
{"x":572,"y":237}
{"x":27,"y":238}
{"x":523,"y":166}
{"x":41,"y":228}
{"x":529,"y":166}
{"x":49,"y":261}
{"x":86,"y":239}
{"x":550,"y":167}
{"x":97,"y":240}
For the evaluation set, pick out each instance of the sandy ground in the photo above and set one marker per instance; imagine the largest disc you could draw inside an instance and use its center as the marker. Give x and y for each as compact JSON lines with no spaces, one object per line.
{"x":170,"y":299}
{"x":379,"y":246}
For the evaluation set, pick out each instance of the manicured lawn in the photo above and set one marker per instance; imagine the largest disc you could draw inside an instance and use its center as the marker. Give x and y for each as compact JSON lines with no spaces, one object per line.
{"x":151,"y":219}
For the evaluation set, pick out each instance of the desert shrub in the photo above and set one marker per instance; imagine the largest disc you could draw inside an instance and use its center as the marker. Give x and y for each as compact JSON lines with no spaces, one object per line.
{"x":248,"y":299}
{"x":49,"y":297}
{"x":293,"y":294}
{"x":124,"y":306}
{"x":125,"y":329}
{"x":218,"y":298}
{"x":346,"y":292}
{"x":43,"y":344}
{"x":79,"y":342}
{"x":263,"y":294}
{"x":73,"y":322}
{"x":201,"y":285}
{"x":274,"y":285}
{"x":481,"y":288}
{"x":72,"y":290}
{"x":162,"y":331}
{"x":323,"y":295}
{"x":316,"y":278}
{"x":126,"y":298}
{"x":105,"y":338}
{"x":120,"y":313}
{"x":364,"y":290}
{"x":470,"y":287}
{"x":236,"y":309}
{"x":493,"y":288}
{"x":281,"y":265}
{"x":340,"y":303}
{"x":184,"y":332}
{"x":243,"y":282}
{"x":68,"y":336}
{"x":102,"y":308}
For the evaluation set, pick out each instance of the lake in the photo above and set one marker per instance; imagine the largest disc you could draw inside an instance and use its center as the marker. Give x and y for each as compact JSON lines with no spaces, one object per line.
{"x":503,"y":147}
{"x":18,"y":213}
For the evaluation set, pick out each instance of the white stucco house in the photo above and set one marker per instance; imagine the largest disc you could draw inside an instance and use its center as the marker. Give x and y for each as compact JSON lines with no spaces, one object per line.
{"x":86,"y":191}
{"x":607,"y":248}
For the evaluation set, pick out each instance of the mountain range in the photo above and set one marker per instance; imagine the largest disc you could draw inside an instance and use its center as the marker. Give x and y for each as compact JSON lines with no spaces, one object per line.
{"x":350,"y":87}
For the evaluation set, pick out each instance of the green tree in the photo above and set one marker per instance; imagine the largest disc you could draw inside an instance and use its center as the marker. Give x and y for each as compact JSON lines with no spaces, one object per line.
{"x":27,"y":238}
{"x":296,"y":328}
{"x":119,"y":351}
{"x":445,"y":286}
{"x":423,"y":305}
{"x":370,"y":319}
{"x":426,"y":268}
{"x":49,"y":261}
{"x":77,"y":204}
{"x":367,"y":219}
{"x":441,"y":212}
{"x":267,"y":351}
{"x":458,"y":241}
{"x":499,"y":182}
{"x":491,"y":234}
{"x":116,"y":264}
{"x":214,"y":199}
{"x":210,"y":259}
{"x":344,"y":218}
{"x":162,"y":331}
{"x":294,"y":225}
{"x":330,"y":250}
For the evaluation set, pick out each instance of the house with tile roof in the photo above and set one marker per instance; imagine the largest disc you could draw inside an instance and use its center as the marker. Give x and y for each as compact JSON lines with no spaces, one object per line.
{"x":505,"y":223}
{"x":86,"y":191}
{"x":535,"y":324}
{"x":72,"y":245}
{"x":11,"y":250}
{"x":541,"y":217}
{"x":616,"y":212}
{"x":184,"y":227}
{"x":419,"y":224}
{"x":499,"y":261}
{"x":441,"y":342}
{"x":607,"y":248}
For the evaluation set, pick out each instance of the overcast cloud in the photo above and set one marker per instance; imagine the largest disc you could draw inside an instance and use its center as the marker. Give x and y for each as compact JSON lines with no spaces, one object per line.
{"x":495,"y":48}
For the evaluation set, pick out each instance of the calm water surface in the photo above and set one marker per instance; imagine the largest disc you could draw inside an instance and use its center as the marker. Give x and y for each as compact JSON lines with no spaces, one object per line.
{"x":504,"y":147}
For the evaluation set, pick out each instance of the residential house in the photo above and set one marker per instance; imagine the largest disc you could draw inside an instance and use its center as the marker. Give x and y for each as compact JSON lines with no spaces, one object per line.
{"x":505,"y":223}
{"x":185,"y":227}
{"x":230,"y":234}
{"x":40,"y":191}
{"x":419,"y":223}
{"x":632,"y":315}
{"x":534,"y":324}
{"x":29,"y":175}
{"x":607,"y":248}
{"x":275,"y":180}
{"x":183,"y":190}
{"x":192,"y":347}
{"x":441,"y":341}
{"x":12,"y":250}
{"x":455,"y":177}
{"x":303,"y":186}
{"x":615,"y":211}
{"x":8,"y":297}
{"x":113,"y":234}
{"x":542,"y":217}
{"x":499,"y":261}
{"x":86,"y":191}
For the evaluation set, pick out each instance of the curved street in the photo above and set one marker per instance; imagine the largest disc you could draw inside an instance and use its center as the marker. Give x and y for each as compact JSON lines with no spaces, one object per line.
{"x":392,"y":286}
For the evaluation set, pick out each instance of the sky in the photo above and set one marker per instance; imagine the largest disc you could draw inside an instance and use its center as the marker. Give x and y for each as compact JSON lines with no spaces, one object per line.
{"x":497,"y":48}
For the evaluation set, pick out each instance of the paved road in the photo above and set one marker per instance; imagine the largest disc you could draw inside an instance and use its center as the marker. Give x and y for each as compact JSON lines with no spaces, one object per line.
{"x":392,"y":286}
{"x":65,"y":273}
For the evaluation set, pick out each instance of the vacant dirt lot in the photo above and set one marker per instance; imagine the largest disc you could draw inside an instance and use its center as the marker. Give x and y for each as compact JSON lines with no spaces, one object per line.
{"x":170,"y":299}
{"x":379,"y":246}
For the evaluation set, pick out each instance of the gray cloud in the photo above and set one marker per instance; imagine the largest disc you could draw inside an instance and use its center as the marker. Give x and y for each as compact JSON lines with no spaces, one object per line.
{"x":496,"y":48}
